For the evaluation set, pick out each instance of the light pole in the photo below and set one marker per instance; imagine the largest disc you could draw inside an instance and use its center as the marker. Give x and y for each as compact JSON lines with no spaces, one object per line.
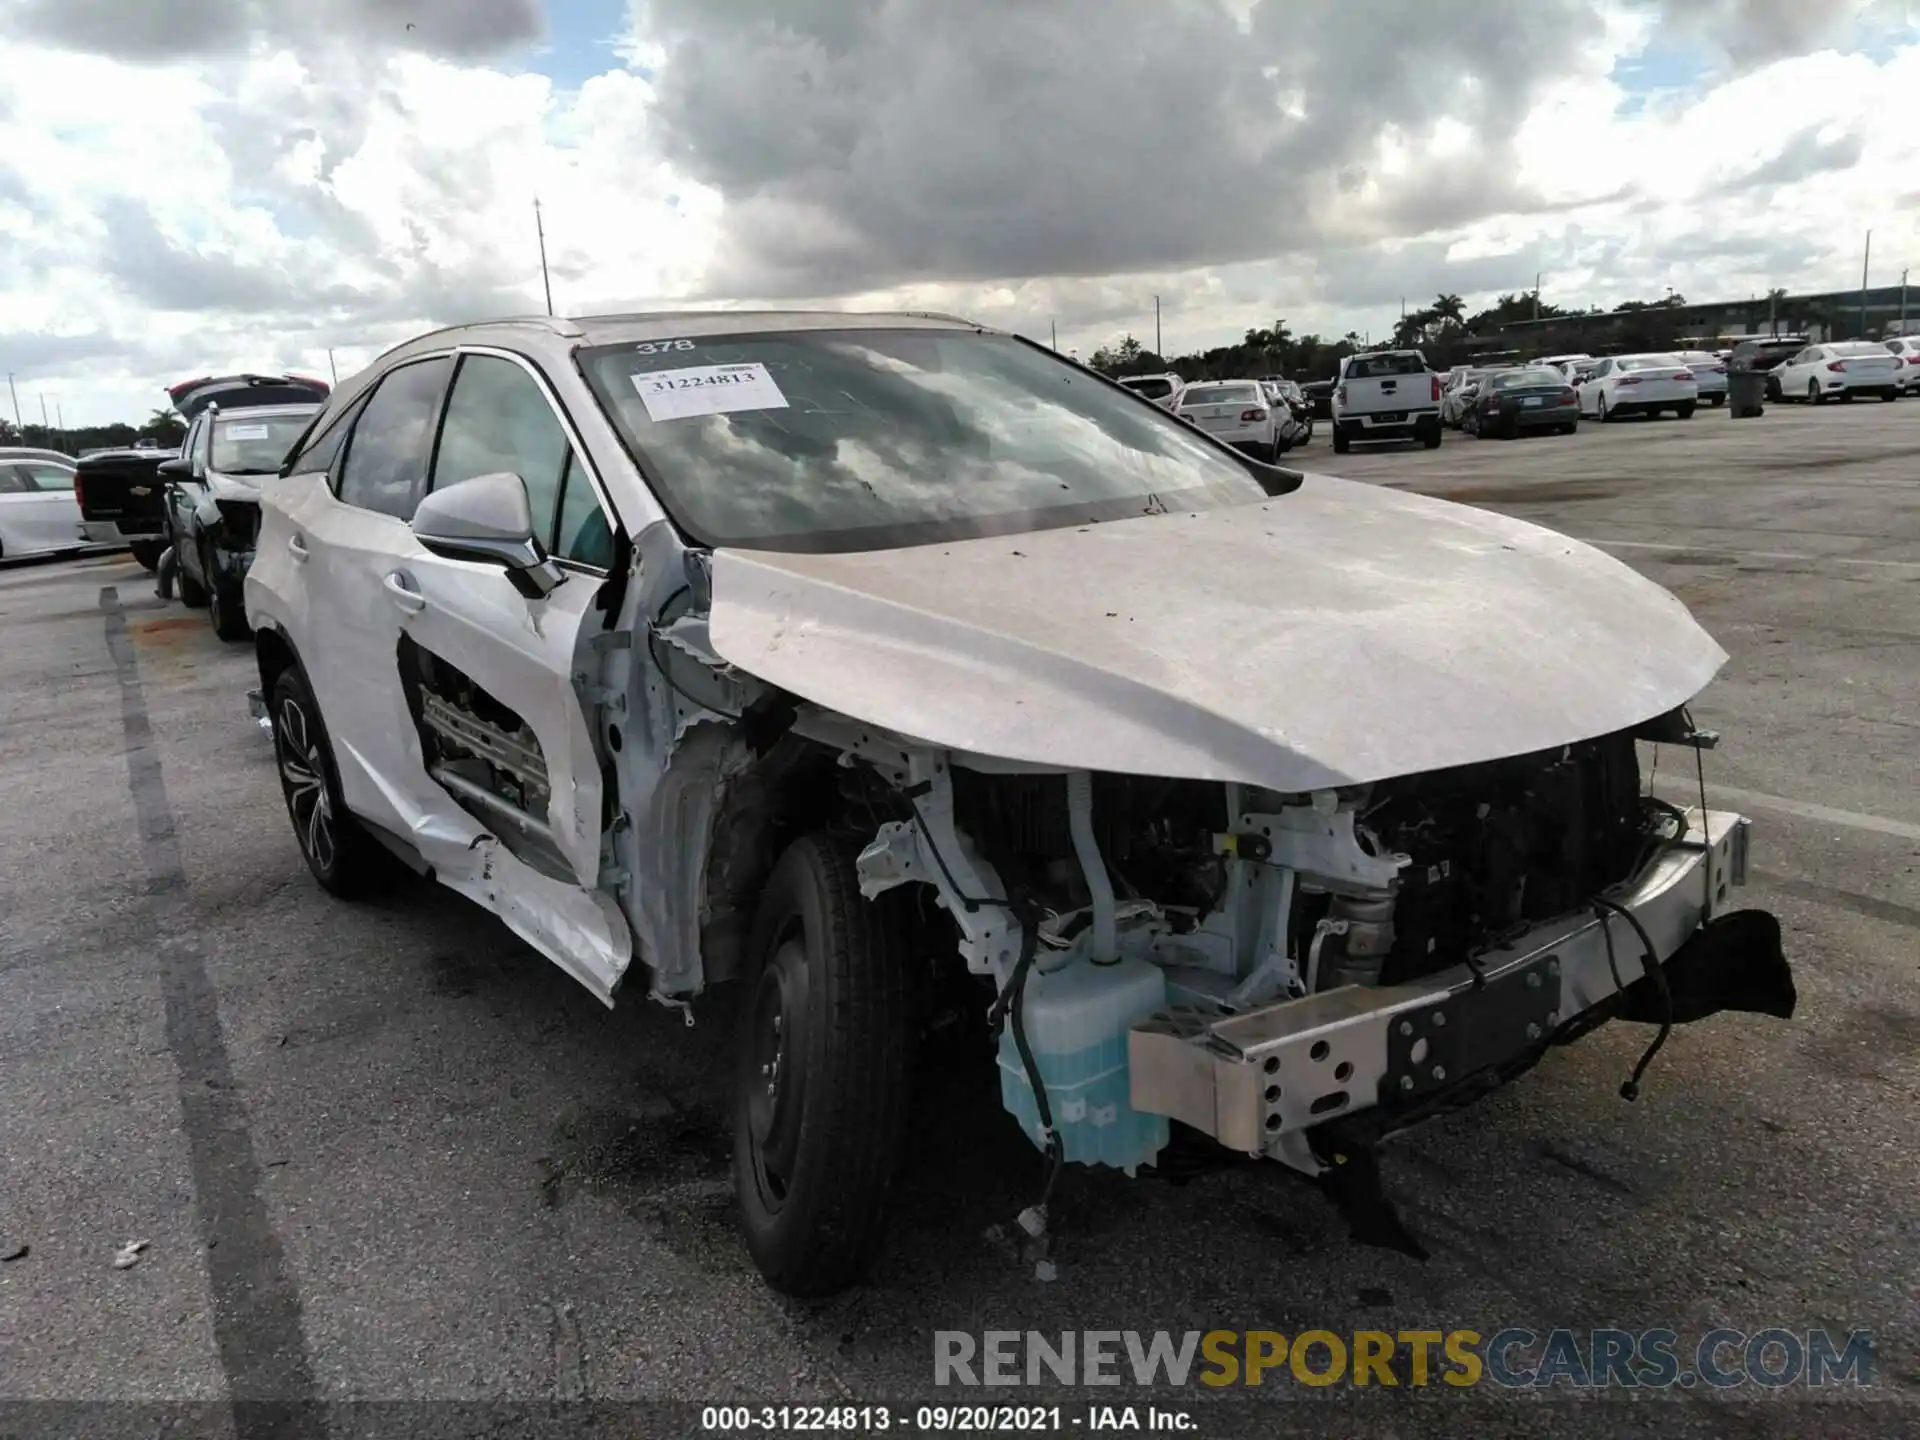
{"x":16,"y":400}
{"x":1903,"y":302}
{"x":332,"y":369}
{"x":1865,"y":259}
{"x":1156,"y":327}
{"x":1536,"y":294}
{"x":1053,"y":330}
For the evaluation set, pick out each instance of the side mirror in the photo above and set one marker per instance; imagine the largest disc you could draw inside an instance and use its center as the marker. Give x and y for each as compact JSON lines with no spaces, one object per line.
{"x":178,"y":468}
{"x":488,"y":520}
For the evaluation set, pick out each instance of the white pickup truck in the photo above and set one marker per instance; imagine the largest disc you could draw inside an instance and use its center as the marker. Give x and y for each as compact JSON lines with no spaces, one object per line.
{"x":1386,"y":395}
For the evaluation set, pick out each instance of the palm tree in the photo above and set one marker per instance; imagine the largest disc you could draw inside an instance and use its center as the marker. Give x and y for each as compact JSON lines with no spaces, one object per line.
{"x":1449,"y":309}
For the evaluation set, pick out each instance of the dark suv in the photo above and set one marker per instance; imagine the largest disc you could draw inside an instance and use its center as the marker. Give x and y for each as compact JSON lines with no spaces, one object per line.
{"x":240,"y":429}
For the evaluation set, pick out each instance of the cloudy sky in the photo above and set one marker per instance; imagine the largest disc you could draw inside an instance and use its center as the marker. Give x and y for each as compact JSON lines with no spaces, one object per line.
{"x":193,"y":185}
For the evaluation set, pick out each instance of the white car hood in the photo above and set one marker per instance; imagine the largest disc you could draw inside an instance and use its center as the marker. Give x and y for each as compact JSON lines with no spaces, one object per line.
{"x":1340,"y":634}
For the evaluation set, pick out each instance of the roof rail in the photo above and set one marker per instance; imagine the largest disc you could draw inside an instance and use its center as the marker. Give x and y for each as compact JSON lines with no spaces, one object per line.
{"x":555,"y":324}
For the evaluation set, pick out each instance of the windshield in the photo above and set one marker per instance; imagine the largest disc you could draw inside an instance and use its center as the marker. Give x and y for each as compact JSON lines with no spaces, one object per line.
{"x":1153,"y":389}
{"x":866,"y":439}
{"x":256,"y":445}
{"x":1219,"y":395}
{"x":1369,"y":367}
{"x":1524,"y":379}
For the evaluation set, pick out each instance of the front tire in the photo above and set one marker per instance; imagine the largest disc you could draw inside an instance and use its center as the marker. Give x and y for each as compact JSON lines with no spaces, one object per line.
{"x":193,"y":594}
{"x":346,"y":860}
{"x":823,"y":1071}
{"x":225,"y":608}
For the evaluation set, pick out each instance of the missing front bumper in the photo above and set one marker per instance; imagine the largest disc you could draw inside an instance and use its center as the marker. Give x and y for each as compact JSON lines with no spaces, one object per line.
{"x":1251,"y":1080}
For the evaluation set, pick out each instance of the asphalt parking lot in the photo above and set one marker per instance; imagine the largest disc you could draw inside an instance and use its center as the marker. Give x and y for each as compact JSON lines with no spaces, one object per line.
{"x":383,"y":1153}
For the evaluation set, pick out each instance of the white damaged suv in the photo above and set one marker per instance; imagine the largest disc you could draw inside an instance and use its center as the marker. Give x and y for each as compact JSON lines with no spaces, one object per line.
{"x":858,"y":659}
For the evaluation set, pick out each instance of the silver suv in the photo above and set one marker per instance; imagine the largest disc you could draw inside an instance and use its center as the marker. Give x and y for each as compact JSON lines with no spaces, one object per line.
{"x":875,"y":661}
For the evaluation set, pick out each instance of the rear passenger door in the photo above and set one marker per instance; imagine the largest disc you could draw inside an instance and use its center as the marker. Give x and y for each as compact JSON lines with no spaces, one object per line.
{"x":347,"y":536}
{"x":489,"y":668}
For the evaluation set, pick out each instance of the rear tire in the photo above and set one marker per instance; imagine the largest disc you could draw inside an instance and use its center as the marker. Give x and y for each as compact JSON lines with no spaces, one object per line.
{"x":146,"y":553}
{"x":344,"y":858}
{"x":1685,"y":412}
{"x":1814,"y":397}
{"x":1889,"y":395}
{"x":823,"y":1073}
{"x":1342,"y":442}
{"x":1600,"y":411}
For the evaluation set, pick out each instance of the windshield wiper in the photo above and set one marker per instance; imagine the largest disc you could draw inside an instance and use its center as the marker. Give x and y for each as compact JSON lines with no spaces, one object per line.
{"x":251,"y":470}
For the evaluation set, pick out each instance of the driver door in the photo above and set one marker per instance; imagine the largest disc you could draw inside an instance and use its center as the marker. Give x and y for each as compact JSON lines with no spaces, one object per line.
{"x":491,"y":665}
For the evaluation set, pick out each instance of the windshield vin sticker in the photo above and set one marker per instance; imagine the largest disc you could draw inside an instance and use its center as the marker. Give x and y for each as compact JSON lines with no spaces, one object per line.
{"x":707,"y":390}
{"x":247,"y":432}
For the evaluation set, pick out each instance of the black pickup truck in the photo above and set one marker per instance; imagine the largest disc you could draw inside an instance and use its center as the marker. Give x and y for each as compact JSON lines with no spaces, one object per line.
{"x":122,"y":499}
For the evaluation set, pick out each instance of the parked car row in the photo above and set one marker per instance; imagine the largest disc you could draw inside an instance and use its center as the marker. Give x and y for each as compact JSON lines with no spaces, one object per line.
{"x":730,"y":648}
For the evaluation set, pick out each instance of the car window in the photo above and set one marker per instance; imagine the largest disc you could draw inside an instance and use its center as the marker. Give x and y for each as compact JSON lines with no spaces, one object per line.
{"x":583,"y":534}
{"x":385,"y":466}
{"x":1369,"y":367}
{"x":1152,"y":389}
{"x":1605,"y":367}
{"x":1219,"y":395}
{"x":498,"y":420}
{"x":244,"y":444}
{"x":13,"y":481}
{"x":46,"y":477}
{"x":321,"y":449}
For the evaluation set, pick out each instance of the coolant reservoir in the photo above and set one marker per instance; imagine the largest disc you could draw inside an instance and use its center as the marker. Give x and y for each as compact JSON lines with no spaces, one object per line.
{"x":1076,"y":1019}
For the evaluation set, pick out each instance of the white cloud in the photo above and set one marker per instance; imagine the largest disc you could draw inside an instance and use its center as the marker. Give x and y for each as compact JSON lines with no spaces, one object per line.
{"x":259,"y":207}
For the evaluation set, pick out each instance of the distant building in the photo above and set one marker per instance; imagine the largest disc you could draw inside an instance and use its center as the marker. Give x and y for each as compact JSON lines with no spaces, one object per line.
{"x":1832,"y":315}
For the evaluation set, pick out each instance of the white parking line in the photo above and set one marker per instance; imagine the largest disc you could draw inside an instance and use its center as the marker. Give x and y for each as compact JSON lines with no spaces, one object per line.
{"x":1806,"y":810}
{"x":1751,"y":554}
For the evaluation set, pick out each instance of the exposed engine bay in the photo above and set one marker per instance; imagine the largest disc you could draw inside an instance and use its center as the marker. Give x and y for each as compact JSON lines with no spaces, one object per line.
{"x":1487,"y":849}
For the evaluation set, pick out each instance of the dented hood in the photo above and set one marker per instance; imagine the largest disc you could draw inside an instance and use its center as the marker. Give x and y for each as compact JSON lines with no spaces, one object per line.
{"x":1339,"y":634}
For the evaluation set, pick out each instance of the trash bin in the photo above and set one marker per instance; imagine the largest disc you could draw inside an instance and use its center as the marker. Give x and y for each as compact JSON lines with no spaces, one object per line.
{"x":1746,"y":393}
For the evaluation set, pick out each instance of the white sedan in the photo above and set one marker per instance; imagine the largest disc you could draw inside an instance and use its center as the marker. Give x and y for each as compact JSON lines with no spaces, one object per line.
{"x":1839,"y":370}
{"x":1639,"y":385}
{"x":1235,"y":411}
{"x":37,"y":510}
{"x":1906,"y":349}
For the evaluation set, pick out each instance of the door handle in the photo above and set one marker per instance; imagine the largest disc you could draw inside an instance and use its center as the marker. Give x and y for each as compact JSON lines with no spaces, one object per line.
{"x":296,"y":547}
{"x":404,"y":595}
